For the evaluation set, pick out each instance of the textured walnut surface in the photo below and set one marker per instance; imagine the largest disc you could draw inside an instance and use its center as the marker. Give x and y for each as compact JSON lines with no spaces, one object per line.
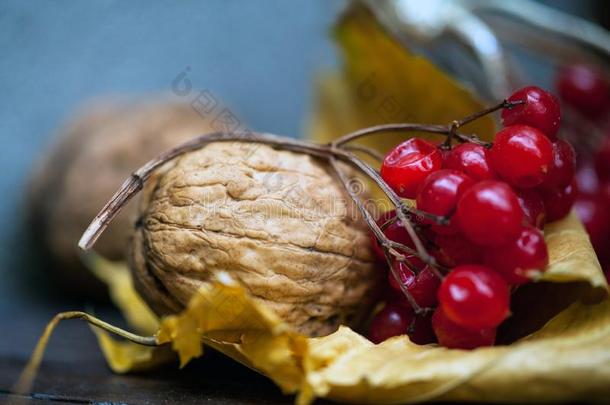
{"x":276,"y":220}
{"x":95,"y":152}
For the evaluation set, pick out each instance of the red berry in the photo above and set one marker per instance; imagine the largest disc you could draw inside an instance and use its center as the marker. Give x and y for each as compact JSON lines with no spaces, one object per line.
{"x":471,"y":159}
{"x":454,"y":336}
{"x":421,"y":332}
{"x":475,"y":297}
{"x":393,"y":230}
{"x":541,"y":110}
{"x":593,"y":212}
{"x":532,"y":205}
{"x":392,"y":320}
{"x":558,"y":201}
{"x":408,"y":164}
{"x":422,"y":287}
{"x":563,"y":166}
{"x":602,"y":160}
{"x":455,"y":250}
{"x":584,"y":88}
{"x":522,"y":260}
{"x":439,"y":195}
{"x":521,"y":155}
{"x":489,"y":213}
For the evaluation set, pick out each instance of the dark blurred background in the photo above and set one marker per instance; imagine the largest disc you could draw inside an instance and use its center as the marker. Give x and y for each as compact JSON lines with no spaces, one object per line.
{"x":258,"y":57}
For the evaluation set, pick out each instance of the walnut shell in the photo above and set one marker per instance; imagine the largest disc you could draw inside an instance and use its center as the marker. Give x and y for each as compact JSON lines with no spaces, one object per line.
{"x":96,"y":151}
{"x":277,"y":221}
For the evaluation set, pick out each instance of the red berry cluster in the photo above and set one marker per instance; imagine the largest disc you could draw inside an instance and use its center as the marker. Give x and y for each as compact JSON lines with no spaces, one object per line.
{"x":586,"y":91}
{"x":492,"y":202}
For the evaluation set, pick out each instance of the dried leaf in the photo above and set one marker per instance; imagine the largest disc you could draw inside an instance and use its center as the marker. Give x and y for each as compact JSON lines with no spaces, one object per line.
{"x":224,"y":313}
{"x":383,"y":82}
{"x":570,"y":256}
{"x":554,"y":364}
{"x":566,"y":359}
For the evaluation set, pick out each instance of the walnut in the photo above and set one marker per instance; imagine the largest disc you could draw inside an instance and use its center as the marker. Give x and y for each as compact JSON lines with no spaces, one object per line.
{"x":96,"y":151}
{"x":277,"y":221}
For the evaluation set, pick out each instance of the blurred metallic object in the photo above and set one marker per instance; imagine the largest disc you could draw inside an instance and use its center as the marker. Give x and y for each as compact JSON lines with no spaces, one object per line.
{"x":484,"y":25}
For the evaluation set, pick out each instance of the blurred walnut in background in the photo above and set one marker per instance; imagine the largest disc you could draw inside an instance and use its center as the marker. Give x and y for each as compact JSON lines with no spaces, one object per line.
{"x":94,"y":152}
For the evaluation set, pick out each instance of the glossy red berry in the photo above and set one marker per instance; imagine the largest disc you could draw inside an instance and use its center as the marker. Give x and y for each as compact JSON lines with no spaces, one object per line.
{"x":422,"y":286}
{"x":439,"y":195}
{"x":455,"y":250}
{"x":454,"y":336}
{"x":558,"y":201}
{"x":602,"y":160}
{"x":408,"y":164}
{"x":584,"y":88}
{"x":563,"y":166}
{"x":532,"y":205}
{"x":521,"y":155}
{"x":472,"y":160}
{"x":392,"y":320}
{"x":489,"y":213}
{"x":593,"y":212}
{"x":474,"y":297}
{"x":541,"y":110}
{"x":393,"y":229}
{"x":522,"y":260}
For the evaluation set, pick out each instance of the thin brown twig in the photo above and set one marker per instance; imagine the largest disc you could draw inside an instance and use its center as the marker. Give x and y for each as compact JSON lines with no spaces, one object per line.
{"x":472,"y":117}
{"x":24,"y":383}
{"x":135,"y":182}
{"x":400,"y":208}
{"x":381,"y":237}
{"x":436,"y":129}
{"x":366,"y":150}
{"x":448,"y":130}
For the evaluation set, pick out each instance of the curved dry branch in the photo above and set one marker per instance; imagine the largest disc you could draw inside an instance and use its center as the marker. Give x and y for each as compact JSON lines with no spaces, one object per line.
{"x":135,"y":182}
{"x":332,"y":152}
{"x":24,"y":383}
{"x":366,"y":150}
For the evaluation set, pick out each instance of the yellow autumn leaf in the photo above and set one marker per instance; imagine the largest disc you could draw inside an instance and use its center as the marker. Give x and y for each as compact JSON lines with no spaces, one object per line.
{"x":566,"y":358}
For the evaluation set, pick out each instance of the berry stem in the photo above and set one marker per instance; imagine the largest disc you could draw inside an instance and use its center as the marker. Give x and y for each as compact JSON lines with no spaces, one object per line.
{"x":463,"y":138}
{"x":452,"y":133}
{"x":366,"y":150}
{"x":403,"y":288}
{"x":400,"y":207}
{"x":385,"y":242}
{"x":436,"y":129}
{"x":504,"y":104}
